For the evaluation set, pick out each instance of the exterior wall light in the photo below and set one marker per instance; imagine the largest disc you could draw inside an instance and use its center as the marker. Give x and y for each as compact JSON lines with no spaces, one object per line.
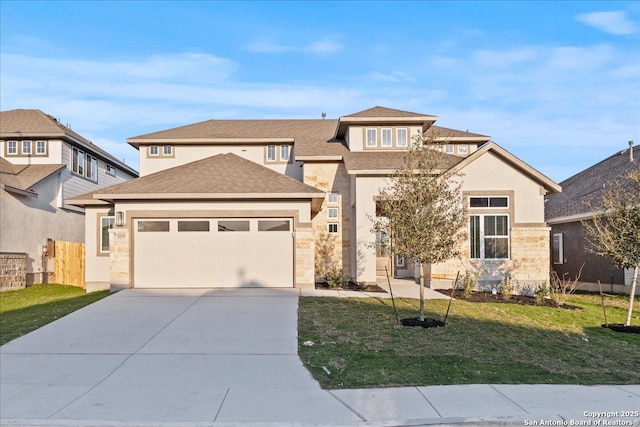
{"x":119,"y":218}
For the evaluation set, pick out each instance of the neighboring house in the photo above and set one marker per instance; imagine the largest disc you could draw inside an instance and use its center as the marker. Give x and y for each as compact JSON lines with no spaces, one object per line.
{"x":42,"y":163}
{"x":578,"y":202}
{"x":281,"y":202}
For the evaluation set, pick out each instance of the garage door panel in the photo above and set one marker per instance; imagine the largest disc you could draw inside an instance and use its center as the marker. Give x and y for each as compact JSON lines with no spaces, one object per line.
{"x":214,"y":258}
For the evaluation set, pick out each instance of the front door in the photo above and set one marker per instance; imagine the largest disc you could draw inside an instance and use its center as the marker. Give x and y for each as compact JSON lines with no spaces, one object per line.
{"x":383,"y":255}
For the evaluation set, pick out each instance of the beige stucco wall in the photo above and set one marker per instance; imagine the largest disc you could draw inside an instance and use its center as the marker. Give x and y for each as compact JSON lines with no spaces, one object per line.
{"x":184,"y":154}
{"x":26,"y":223}
{"x":96,"y":265}
{"x":331,"y":250}
{"x":355,"y":134}
{"x":54,"y":153}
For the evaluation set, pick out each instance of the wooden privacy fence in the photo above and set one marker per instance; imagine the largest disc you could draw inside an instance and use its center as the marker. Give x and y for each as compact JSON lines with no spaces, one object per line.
{"x":69,"y":263}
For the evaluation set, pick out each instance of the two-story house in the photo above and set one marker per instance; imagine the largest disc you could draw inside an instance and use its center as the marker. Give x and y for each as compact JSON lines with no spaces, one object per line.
{"x":234,"y":203}
{"x":42,"y":163}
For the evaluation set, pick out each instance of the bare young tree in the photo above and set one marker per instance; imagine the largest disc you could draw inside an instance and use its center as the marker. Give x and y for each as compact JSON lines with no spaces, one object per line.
{"x":616,"y":232}
{"x":422,"y":209}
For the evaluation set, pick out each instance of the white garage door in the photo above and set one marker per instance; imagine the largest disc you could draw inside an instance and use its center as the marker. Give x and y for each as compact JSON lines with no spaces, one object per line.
{"x":213,"y":252}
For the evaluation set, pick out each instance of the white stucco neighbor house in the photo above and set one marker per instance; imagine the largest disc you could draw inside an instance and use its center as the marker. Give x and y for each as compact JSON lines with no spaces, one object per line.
{"x":42,"y":163}
{"x":277,"y":203}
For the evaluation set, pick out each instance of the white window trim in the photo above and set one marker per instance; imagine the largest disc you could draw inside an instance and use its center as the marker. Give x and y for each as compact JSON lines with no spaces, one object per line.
{"x":43,"y":153}
{"x":463,"y":149}
{"x":375,"y":138}
{"x":22,"y":144}
{"x":336,"y":226}
{"x":275,"y":154}
{"x":560,"y":248}
{"x":164,"y":150}
{"x":100,"y":241}
{"x":333,"y":202}
{"x":488,"y":197}
{"x":382,"y":142}
{"x":449,"y":149}
{"x":157,"y":153}
{"x":333,"y":213}
{"x":482,"y":236}
{"x":400,"y":261}
{"x":406,"y":137}
{"x":288,"y":150}
{"x":15,"y":151}
{"x":109,"y":169}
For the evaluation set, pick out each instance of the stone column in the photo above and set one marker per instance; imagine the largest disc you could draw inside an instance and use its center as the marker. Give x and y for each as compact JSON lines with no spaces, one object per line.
{"x":304,"y":256}
{"x":119,"y":259}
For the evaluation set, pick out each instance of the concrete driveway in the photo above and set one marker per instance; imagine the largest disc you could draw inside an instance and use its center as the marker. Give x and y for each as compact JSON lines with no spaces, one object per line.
{"x":145,"y":356}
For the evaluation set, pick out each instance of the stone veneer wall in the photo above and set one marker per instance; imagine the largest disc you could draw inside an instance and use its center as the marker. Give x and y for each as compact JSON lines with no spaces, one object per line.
{"x":13,"y":271}
{"x":529,"y":263}
{"x":304,"y":250}
{"x":331,"y":251}
{"x":119,"y":259}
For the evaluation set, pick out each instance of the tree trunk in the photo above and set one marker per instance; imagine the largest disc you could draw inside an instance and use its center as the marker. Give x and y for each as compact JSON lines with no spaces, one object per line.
{"x":421,"y":283}
{"x":632,"y":294}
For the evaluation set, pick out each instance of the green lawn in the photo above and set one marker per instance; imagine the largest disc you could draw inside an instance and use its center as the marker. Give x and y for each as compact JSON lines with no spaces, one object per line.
{"x":358,"y":342}
{"x":28,"y":309}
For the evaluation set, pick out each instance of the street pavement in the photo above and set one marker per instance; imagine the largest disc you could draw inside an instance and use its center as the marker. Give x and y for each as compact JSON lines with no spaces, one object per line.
{"x":215,"y":357}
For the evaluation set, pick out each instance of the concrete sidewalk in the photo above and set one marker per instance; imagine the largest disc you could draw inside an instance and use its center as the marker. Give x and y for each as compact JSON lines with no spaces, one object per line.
{"x":205,"y":357}
{"x":401,"y":288}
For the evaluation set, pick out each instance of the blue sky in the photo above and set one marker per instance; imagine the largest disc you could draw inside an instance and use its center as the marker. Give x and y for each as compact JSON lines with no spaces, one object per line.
{"x":556,"y":83}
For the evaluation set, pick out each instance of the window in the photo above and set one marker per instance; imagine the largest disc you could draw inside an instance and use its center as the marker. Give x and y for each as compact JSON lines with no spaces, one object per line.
{"x":400,"y":261}
{"x":233,"y":225}
{"x":274,"y":225}
{"x":402,"y":139}
{"x":41,"y":147}
{"x":332,"y":198}
{"x":284,"y":153}
{"x":463,"y":149}
{"x":558,"y":248}
{"x":382,"y":244}
{"x":92,"y":168}
{"x":489,"y":236}
{"x":271,"y":153}
{"x":448,"y":149}
{"x":26,"y":147}
{"x":193,"y":226}
{"x":78,"y":161}
{"x":332,"y":228}
{"x":12,"y":148}
{"x":332,"y":213}
{"x":372,"y":137}
{"x":386,"y":138}
{"x":153,"y":150}
{"x":489,"y":202}
{"x":106,"y":222}
{"x":110,"y":170}
{"x":167,"y":150}
{"x":151,"y":226}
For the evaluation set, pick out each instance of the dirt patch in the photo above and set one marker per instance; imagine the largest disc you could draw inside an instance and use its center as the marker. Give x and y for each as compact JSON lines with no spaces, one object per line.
{"x":426,"y":323}
{"x":352,"y":286}
{"x":618,"y":327}
{"x":513,"y":299}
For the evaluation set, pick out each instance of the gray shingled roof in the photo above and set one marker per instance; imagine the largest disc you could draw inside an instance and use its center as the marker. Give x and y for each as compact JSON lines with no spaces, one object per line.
{"x":582,"y":192}
{"x":23,"y":177}
{"x":216,"y":175}
{"x":35,"y":123}
{"x":441,"y":132}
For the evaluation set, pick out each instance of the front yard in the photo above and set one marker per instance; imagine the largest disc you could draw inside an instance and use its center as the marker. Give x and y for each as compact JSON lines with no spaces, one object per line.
{"x":358,"y":344}
{"x":28,"y":309}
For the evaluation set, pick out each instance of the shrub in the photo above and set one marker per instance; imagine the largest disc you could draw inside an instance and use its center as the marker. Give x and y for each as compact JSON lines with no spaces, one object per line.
{"x":507,"y":286}
{"x":562,"y":288}
{"x":469,"y":282}
{"x":541,"y":291}
{"x":336,"y":278}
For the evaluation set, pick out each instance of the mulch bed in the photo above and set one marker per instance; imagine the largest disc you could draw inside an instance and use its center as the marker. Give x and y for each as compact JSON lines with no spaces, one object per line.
{"x":513,"y":299}
{"x":618,"y":327}
{"x":426,"y":323}
{"x":352,"y":286}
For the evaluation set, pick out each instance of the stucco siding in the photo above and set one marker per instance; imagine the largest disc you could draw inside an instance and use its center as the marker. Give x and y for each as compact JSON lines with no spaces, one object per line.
{"x":367,"y":188}
{"x":26,"y":222}
{"x":183,"y":154}
{"x":53,"y":155}
{"x":96,"y":265}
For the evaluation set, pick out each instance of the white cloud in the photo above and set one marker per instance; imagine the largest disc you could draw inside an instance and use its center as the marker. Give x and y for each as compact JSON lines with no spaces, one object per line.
{"x":392,"y":77}
{"x":500,"y":59}
{"x":580,"y":58}
{"x":318,"y":47}
{"x":615,"y":23}
{"x":264,"y":46}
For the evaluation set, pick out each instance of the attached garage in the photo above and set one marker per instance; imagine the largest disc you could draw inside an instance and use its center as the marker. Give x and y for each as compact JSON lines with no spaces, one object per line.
{"x":213,"y":252}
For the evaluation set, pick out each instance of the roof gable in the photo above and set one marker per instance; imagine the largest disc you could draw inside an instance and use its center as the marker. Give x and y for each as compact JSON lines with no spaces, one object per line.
{"x":216,"y":177}
{"x":23,"y":177}
{"x":379,"y":111}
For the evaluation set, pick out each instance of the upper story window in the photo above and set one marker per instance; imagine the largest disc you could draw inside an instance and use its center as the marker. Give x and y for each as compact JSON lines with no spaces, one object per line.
{"x":463,"y":149}
{"x":41,"y":148}
{"x":160,"y":151}
{"x":386,"y":141}
{"x":84,"y":164}
{"x":110,"y":170}
{"x":402,"y":137}
{"x":154,"y":150}
{"x":332,"y":213}
{"x":167,"y":150}
{"x":332,"y":198}
{"x":277,"y":154}
{"x":449,"y":149}
{"x":26,"y":147}
{"x":12,"y":148}
{"x":372,"y":137}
